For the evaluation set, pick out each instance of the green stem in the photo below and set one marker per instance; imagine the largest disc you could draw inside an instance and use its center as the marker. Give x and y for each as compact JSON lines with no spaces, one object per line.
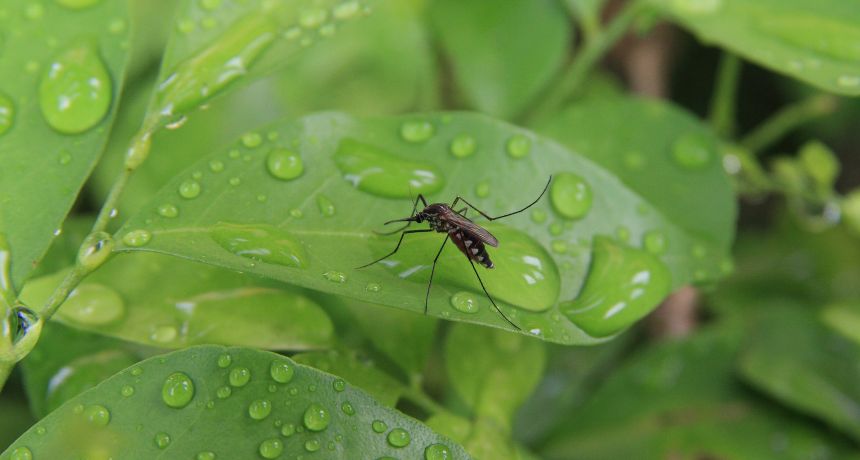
{"x":423,"y":401}
{"x":786,"y":120}
{"x":722,"y":116}
{"x":5,"y":372}
{"x":580,"y":67}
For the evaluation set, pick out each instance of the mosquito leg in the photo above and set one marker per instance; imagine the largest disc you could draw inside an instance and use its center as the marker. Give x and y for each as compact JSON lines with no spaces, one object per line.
{"x":491,"y":297}
{"x":432,"y":271}
{"x":396,"y":247}
{"x":414,"y":208}
{"x":459,"y":198}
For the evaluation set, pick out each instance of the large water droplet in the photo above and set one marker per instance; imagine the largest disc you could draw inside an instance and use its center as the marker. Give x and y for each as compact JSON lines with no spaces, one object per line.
{"x":7,"y":113}
{"x":519,"y":146}
{"x":271,"y":448}
{"x":76,"y":91}
{"x":97,"y":415}
{"x":214,"y":67}
{"x":137,"y":238}
{"x":162,"y":440}
{"x":316,"y":417}
{"x":260,"y":409}
{"x":262,"y":243}
{"x":398,"y":437}
{"x":570,"y":195}
{"x":95,"y":250}
{"x":21,"y":453}
{"x":622,"y":286}
{"x":189,"y":189}
{"x":692,"y":151}
{"x":239,"y":376}
{"x":284,"y":164}
{"x":376,"y":171}
{"x":417,"y":131}
{"x":465,"y":302}
{"x":438,"y":452}
{"x":93,"y":304}
{"x":178,"y":390}
{"x":463,"y":145}
{"x":282,"y":371}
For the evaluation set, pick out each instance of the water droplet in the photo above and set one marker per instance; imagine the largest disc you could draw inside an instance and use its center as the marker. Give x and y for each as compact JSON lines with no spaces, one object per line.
{"x":519,"y":146}
{"x":163,"y":334}
{"x":559,"y":246}
{"x":347,"y":408}
{"x":40,"y":430}
{"x":338,"y":385}
{"x":162,"y":440}
{"x":346,"y":10}
{"x":465,"y":302}
{"x":206,"y":455}
{"x":210,"y":5}
{"x":623,"y":234}
{"x":178,"y":390}
{"x":234,"y":181}
{"x":373,"y":287}
{"x":262,"y":243}
{"x":224,"y":360}
{"x":570,"y":196}
{"x":189,"y":189}
{"x":136,"y":371}
{"x":77,"y":4}
{"x":64,"y":158}
{"x":177,"y":123}
{"x":260,"y":409}
{"x":127,"y":390}
{"x":93,"y":304}
{"x":216,"y":166}
{"x":438,"y":452}
{"x":21,"y":453}
{"x":379,"y":426}
{"x":482,"y":190}
{"x":692,"y":151}
{"x":335,"y":276}
{"x":137,"y":238}
{"x":97,"y":415}
{"x":75,"y":91}
{"x":416,"y":131}
{"x":288,"y":430}
{"x":654,"y":242}
{"x":95,"y":250}
{"x":239,"y":376}
{"x":622,"y":286}
{"x":316,"y":417}
{"x":463,"y":145}
{"x":375,"y":171}
{"x":168,"y":210}
{"x":398,"y":437}
{"x":848,"y":81}
{"x":539,"y":216}
{"x":312,"y":18}
{"x":634,"y":160}
{"x":312,"y":445}
{"x":325,"y":205}
{"x":282,"y":371}
{"x":328,"y":30}
{"x":7,"y":113}
{"x":284,"y":164}
{"x":297,"y":213}
{"x":223,"y":392}
{"x":271,"y":448}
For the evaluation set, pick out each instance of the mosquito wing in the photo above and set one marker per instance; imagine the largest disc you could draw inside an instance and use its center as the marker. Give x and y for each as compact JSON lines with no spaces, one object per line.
{"x":472,"y":228}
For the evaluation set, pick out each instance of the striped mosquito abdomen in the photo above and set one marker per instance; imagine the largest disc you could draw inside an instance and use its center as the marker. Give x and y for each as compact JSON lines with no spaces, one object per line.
{"x":471,"y":246}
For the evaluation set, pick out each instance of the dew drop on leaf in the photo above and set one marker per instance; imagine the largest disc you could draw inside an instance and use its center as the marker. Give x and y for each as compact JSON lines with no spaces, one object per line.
{"x":7,"y":113}
{"x":224,"y":360}
{"x":465,"y":302}
{"x":93,"y":304}
{"x":570,"y":196}
{"x":281,"y":371}
{"x":271,"y":448}
{"x":373,"y":287}
{"x":347,"y":408}
{"x":691,"y":151}
{"x":518,"y":146}
{"x":312,"y":18}
{"x":95,"y":250}
{"x":376,"y":171}
{"x":137,"y":238}
{"x":206,"y":455}
{"x":379,"y":426}
{"x":75,"y":91}
{"x":21,"y":453}
{"x":463,"y":145}
{"x":416,"y":131}
{"x":325,"y":205}
{"x":162,"y":440}
{"x":312,"y":445}
{"x":538,"y":216}
{"x":398,"y":437}
{"x":239,"y":376}
{"x":223,"y":392}
{"x":346,"y":10}
{"x":338,"y":385}
{"x":438,"y":452}
{"x":482,"y":190}
{"x":284,"y":164}
{"x":335,"y":276}
{"x":288,"y":430}
{"x":654,"y":242}
{"x":127,"y":390}
{"x":189,"y":189}
{"x":260,"y":409}
{"x":178,"y":390}
{"x":263,"y":243}
{"x":97,"y":415}
{"x":168,"y":210}
{"x":316,"y":417}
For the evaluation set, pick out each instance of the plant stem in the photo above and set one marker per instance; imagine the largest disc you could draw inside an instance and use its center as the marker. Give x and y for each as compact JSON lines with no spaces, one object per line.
{"x":425,"y":402}
{"x":723,"y":103}
{"x":580,"y":67}
{"x":787,"y":119}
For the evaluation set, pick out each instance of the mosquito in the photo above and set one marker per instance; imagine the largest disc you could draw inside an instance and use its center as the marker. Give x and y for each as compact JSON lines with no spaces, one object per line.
{"x":469,"y":237}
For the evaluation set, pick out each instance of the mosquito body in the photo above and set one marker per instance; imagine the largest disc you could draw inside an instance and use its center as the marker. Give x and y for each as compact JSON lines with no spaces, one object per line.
{"x":470,"y":238}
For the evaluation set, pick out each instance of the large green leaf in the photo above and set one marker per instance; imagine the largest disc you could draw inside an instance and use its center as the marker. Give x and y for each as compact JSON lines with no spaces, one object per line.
{"x":360,"y":373}
{"x":15,"y":415}
{"x":813,"y":41}
{"x":803,"y":363}
{"x":502,"y":53}
{"x":281,"y":203}
{"x":662,"y":153}
{"x":60,"y":79}
{"x":161,"y":301}
{"x":232,"y":403}
{"x":680,"y":399}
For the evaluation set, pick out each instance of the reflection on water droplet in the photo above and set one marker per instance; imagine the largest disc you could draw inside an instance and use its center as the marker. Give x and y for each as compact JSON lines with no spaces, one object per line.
{"x":398,"y":437}
{"x":271,"y":448}
{"x":189,"y":189}
{"x":623,"y":284}
{"x":178,"y":390}
{"x":654,"y":242}
{"x":93,"y":304}
{"x":465,"y":302}
{"x":570,"y":196}
{"x":284,"y":164}
{"x":137,"y":238}
{"x":692,"y":151}
{"x":463,"y":145}
{"x":376,"y":171}
{"x":519,"y":146}
{"x":325,"y":205}
{"x":7,"y":113}
{"x":260,"y":409}
{"x":316,"y":417}
{"x":416,"y":131}
{"x":281,"y":371}
{"x":168,"y":210}
{"x":75,"y":91}
{"x":262,"y":243}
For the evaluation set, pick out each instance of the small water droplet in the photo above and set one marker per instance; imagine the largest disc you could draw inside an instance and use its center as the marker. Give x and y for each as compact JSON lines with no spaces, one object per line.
{"x":482,"y":190}
{"x":216,"y":166}
{"x":539,"y":216}
{"x":373,"y":287}
{"x":398,"y":437}
{"x":312,"y":445}
{"x":634,"y":160}
{"x":260,"y":409}
{"x":282,"y":371}
{"x":77,"y":4}
{"x":95,"y":250}
{"x":347,"y":408}
{"x":654,"y":242}
{"x":288,"y":430}
{"x":328,"y":30}
{"x":438,"y":452}
{"x":692,"y":151}
{"x":416,"y":131}
{"x":465,"y":302}
{"x":137,"y":238}
{"x":136,"y":371}
{"x":64,"y":158}
{"x":297,"y":213}
{"x":168,"y":210}
{"x":21,"y":453}
{"x":519,"y":146}
{"x":189,"y":189}
{"x":559,"y":246}
{"x":375,"y":171}
{"x":284,"y":164}
{"x":570,"y":196}
{"x":75,"y":91}
{"x":223,"y":392}
{"x":117,"y":26}
{"x":316,"y":417}
{"x":178,"y":390}
{"x":127,"y":390}
{"x":335,"y":276}
{"x":97,"y":415}
{"x":224,"y":360}
{"x":346,"y":10}
{"x":93,"y":304}
{"x":463,"y":145}
{"x":271,"y":448}
{"x":7,"y":114}
{"x":162,"y":440}
{"x":235,"y":181}
{"x":312,"y":18}
{"x":239,"y":376}
{"x":338,"y":385}
{"x":40,"y":430}
{"x":379,"y":426}
{"x":206,"y":455}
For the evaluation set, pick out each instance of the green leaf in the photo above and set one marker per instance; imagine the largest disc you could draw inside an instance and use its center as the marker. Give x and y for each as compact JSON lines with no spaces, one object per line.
{"x":185,"y":403}
{"x":844,"y":318}
{"x":169,"y":303}
{"x":306,"y":223}
{"x":680,"y":398}
{"x":67,"y":362}
{"x":15,"y":415}
{"x":60,"y":80}
{"x":661,"y":152}
{"x":815,"y":42}
{"x":492,"y":371}
{"x":502,"y":53}
{"x":360,"y":373}
{"x":802,"y":363}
